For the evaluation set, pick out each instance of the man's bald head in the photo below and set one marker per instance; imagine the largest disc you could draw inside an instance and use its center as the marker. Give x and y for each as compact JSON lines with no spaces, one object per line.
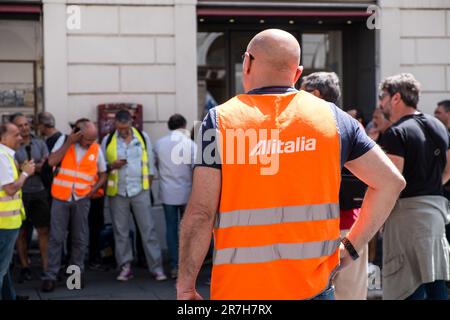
{"x":272,"y":59}
{"x":276,"y":48}
{"x":89,"y":132}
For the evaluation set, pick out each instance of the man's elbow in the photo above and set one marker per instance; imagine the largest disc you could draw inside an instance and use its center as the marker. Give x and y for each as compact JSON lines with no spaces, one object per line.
{"x":202,"y":214}
{"x":52,"y":161}
{"x":398,"y":183}
{"x":10,"y":190}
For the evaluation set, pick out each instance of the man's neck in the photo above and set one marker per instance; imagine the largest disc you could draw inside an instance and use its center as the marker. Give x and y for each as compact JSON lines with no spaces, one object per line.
{"x":407,"y":111}
{"x":6,"y":146}
{"x":128,"y":138}
{"x":26,"y":140}
{"x":50,"y":131}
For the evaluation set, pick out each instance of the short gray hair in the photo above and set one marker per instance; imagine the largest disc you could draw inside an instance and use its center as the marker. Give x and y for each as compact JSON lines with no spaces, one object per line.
{"x":4,"y":128}
{"x":46,"y":119}
{"x":406,"y":85}
{"x":327,"y":83}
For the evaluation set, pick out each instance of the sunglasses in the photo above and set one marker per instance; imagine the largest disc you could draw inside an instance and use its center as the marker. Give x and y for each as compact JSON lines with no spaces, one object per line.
{"x":383,"y":94}
{"x":249,"y":54}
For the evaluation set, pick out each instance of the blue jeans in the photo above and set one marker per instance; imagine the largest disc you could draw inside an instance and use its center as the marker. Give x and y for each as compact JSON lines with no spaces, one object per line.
{"x":326,"y":295}
{"x":8,"y":292}
{"x":8,"y":238}
{"x":173,"y":215}
{"x":436,"y":290}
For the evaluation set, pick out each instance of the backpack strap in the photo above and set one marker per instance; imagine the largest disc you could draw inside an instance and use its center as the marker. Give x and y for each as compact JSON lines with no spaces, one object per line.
{"x":58,"y":166}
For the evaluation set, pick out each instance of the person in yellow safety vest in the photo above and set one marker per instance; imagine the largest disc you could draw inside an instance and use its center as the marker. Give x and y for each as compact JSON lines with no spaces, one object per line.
{"x":130,"y":161}
{"x":268,"y":185}
{"x":12,"y":212}
{"x":78,"y":160}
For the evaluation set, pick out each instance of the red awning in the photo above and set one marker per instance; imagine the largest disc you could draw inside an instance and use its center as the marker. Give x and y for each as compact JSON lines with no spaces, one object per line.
{"x":280,"y":12}
{"x":20,"y":8}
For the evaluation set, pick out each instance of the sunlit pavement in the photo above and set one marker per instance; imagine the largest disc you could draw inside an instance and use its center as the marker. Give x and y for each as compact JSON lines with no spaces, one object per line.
{"x":102,"y":285}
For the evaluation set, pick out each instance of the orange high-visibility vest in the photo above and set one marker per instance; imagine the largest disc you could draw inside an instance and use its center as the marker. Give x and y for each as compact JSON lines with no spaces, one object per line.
{"x":277,"y":235}
{"x":76,"y":177}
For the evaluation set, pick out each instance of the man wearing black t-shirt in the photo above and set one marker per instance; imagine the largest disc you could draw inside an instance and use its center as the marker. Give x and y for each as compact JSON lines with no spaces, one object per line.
{"x":46,"y":127}
{"x":415,"y":249}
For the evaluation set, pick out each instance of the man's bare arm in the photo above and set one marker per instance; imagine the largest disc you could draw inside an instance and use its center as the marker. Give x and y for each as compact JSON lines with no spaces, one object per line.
{"x":29,"y":168}
{"x":196,"y":228}
{"x":56,"y":157}
{"x":100,"y":182}
{"x":446,"y":173}
{"x":398,"y":161}
{"x":12,"y":188}
{"x":385,"y":183}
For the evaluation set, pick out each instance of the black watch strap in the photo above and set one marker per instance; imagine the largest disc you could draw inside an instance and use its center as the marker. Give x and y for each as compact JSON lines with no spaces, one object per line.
{"x":350,"y":248}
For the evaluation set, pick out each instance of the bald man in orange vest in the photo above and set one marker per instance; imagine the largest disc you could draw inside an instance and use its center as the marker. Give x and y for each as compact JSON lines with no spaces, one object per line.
{"x":267,"y":185}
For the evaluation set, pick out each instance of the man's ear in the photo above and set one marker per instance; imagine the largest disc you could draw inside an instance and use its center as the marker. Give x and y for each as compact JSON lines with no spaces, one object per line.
{"x":396,"y":98}
{"x":298,"y":74}
{"x":316,"y":93}
{"x":246,"y":65}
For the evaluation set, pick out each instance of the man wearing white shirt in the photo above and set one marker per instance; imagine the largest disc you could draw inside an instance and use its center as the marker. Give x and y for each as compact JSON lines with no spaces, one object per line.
{"x":11,"y":206}
{"x":175,"y":154}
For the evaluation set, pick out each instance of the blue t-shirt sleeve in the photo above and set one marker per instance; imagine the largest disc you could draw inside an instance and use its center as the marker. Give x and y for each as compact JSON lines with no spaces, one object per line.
{"x":354,"y":140}
{"x":207,"y":148}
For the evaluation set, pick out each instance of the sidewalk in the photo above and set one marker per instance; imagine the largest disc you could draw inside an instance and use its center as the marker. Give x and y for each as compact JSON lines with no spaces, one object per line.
{"x":102,"y":285}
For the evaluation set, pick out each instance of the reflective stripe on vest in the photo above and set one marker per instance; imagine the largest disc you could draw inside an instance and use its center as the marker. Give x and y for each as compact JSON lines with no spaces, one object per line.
{"x":290,"y":251}
{"x":112,"y":185}
{"x":277,"y":235}
{"x":68,"y":184}
{"x":76,"y":178}
{"x":257,"y":217}
{"x":9,"y":205}
{"x":73,"y":173}
{"x":12,"y":211}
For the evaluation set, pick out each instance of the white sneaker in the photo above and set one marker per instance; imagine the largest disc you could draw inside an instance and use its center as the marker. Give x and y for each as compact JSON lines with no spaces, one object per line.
{"x":125,"y":273}
{"x":159,"y":276}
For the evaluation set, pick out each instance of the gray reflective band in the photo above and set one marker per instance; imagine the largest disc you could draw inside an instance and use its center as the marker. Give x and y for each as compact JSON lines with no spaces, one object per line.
{"x":9,"y":213}
{"x":74,"y":173}
{"x":259,"y":217}
{"x":68,"y":184}
{"x":291,"y":251}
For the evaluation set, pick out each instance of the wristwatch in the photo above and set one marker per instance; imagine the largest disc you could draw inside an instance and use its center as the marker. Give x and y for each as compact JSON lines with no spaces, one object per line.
{"x":350,"y":248}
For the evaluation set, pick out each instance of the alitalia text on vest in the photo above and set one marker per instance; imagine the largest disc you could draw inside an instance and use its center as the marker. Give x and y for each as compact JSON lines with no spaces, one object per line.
{"x":251,"y":146}
{"x":300,"y":144}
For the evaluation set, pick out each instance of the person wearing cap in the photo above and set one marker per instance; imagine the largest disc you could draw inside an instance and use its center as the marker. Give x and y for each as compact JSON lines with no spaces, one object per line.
{"x":48,"y":131}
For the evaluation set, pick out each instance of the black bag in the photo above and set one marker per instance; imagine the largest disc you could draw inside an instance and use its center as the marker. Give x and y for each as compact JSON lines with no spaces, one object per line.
{"x":352,"y":191}
{"x":47,"y":171}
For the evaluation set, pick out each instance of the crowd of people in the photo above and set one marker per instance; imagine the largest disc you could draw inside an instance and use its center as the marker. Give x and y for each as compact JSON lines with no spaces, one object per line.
{"x":63,"y":180}
{"x":275,"y":237}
